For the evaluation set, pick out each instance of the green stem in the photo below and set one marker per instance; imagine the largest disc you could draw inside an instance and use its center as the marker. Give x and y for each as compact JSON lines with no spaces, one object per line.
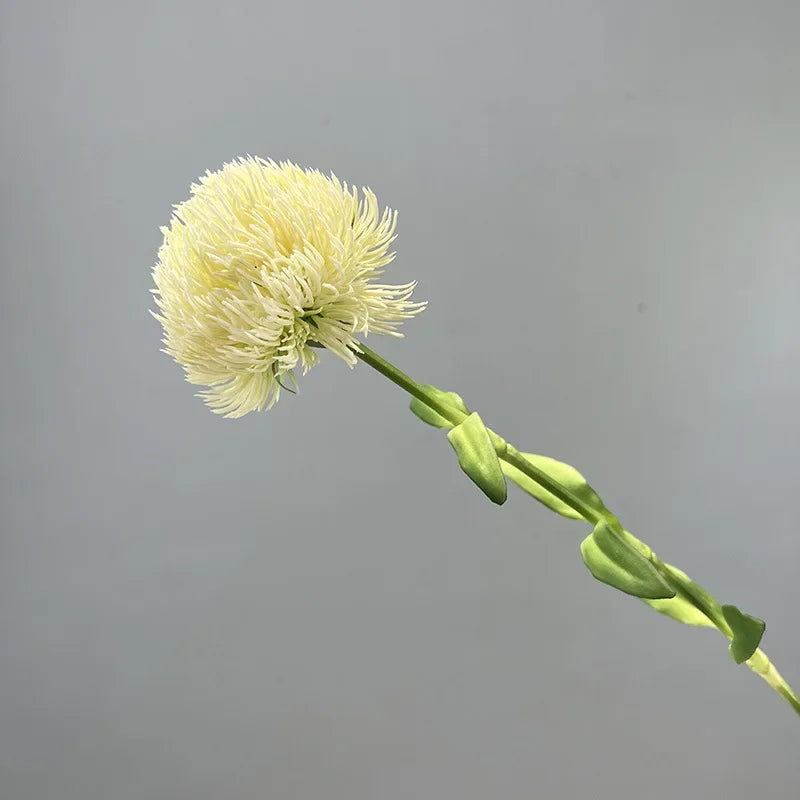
{"x":758,"y":663}
{"x":409,"y":384}
{"x":762,"y":666}
{"x":505,"y":451}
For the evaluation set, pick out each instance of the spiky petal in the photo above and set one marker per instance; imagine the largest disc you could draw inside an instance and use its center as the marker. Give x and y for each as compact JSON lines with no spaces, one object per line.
{"x":263,"y":260}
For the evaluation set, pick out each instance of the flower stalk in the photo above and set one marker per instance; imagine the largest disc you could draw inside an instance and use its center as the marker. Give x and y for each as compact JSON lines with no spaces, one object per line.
{"x":683,"y":590}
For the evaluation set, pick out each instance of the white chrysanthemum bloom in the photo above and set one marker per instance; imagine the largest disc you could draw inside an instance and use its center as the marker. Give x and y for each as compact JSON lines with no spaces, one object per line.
{"x":263,"y":261}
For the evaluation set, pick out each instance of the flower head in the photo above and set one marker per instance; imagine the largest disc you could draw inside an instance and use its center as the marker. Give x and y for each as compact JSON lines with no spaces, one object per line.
{"x":264,"y":261}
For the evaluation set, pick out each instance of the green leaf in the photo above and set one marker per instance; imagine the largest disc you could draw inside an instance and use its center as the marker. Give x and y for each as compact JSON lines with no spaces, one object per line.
{"x":747,"y":633}
{"x":427,"y":414}
{"x":477,"y":456}
{"x":566,"y":475}
{"x":616,"y":562}
{"x":697,"y":596}
{"x":680,"y":608}
{"x":637,"y":544}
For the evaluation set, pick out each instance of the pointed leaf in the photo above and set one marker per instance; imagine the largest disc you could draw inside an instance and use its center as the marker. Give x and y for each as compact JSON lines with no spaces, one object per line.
{"x":614,"y":561}
{"x":747,"y":633}
{"x":680,"y":608}
{"x":477,"y":456}
{"x":566,"y":475}
{"x":637,"y":544}
{"x":427,"y":414}
{"x":697,"y":596}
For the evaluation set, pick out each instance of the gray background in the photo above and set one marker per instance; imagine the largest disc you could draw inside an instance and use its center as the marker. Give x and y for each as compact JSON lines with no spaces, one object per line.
{"x":601,"y":200}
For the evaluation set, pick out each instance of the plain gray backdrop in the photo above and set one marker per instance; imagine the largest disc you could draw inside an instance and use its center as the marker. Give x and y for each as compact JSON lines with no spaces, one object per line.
{"x":601,"y":202}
